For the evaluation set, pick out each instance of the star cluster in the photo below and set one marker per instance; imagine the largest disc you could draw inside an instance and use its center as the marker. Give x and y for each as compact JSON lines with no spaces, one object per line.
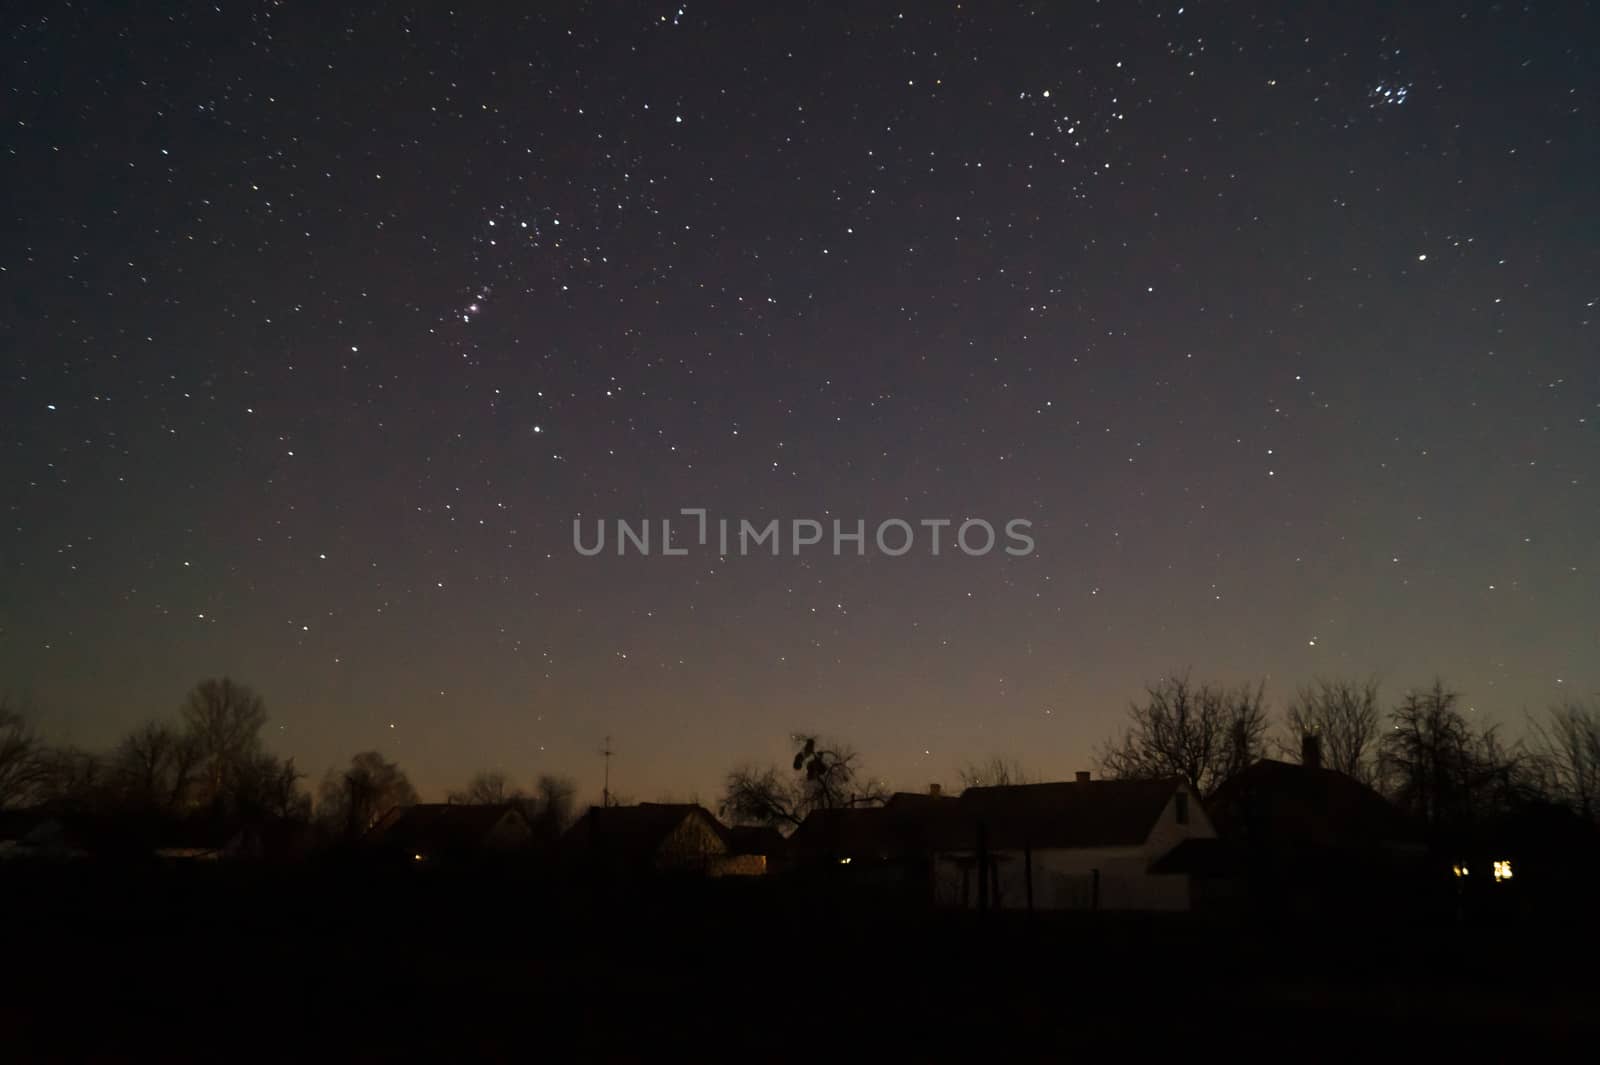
{"x":322,"y":325}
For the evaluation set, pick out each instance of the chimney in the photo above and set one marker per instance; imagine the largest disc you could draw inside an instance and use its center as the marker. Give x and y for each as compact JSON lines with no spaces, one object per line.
{"x":1083,"y":776}
{"x":1311,"y":751}
{"x":934,"y":790}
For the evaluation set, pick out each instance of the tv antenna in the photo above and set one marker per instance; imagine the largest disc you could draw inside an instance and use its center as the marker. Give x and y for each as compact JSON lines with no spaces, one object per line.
{"x":605,"y":791}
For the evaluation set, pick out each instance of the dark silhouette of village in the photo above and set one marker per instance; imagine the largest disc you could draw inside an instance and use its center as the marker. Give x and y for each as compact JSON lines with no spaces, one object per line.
{"x":1217,"y":881}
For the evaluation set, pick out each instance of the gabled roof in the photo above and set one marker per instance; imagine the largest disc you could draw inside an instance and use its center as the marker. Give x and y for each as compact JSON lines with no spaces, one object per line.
{"x":636,"y":832}
{"x":754,"y":839}
{"x":882,"y":832}
{"x":1099,"y":813}
{"x":440,"y":826}
{"x":916,"y":800}
{"x":1283,"y":804}
{"x":1087,"y":813}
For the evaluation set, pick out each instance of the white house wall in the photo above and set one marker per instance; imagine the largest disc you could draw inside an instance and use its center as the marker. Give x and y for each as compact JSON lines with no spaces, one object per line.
{"x":1166,"y":833}
{"x":1064,"y":878}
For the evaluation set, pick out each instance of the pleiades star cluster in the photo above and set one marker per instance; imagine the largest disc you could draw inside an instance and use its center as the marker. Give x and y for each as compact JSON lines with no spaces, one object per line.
{"x":323,"y":324}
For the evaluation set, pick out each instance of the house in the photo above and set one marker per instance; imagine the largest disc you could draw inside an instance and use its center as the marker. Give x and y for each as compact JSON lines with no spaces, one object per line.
{"x":1080,"y":844}
{"x":647,"y":838}
{"x":892,"y":833}
{"x":40,"y":835}
{"x":753,"y":850}
{"x":431,"y":833}
{"x":1283,"y":807}
{"x":275,"y":840}
{"x":1305,"y":839}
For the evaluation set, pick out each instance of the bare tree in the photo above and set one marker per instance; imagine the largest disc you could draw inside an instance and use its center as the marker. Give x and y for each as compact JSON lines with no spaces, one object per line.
{"x":351,"y":801}
{"x":997,"y":772}
{"x":488,"y":786}
{"x":225,"y":719}
{"x":1440,"y":767}
{"x":268,"y":786}
{"x":553,"y":813}
{"x":761,"y":796}
{"x":20,"y":750}
{"x":1201,"y":733}
{"x":825,"y":776}
{"x":71,"y":776}
{"x":1568,"y":754}
{"x":1344,"y":717}
{"x":154,"y":766}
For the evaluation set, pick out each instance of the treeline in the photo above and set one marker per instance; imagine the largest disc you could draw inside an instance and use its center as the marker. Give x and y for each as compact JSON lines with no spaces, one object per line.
{"x":208,"y":761}
{"x":1434,"y":757}
{"x":208,"y":772}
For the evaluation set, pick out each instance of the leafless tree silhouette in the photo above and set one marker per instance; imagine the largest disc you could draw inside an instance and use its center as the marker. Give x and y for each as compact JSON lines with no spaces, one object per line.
{"x":225,"y":719}
{"x":824,"y":776}
{"x":268,"y":786}
{"x":20,"y":750}
{"x":352,"y":800}
{"x":1443,"y":769}
{"x":554,"y":812}
{"x":1567,"y":743}
{"x":996,"y":772}
{"x":155,"y":765}
{"x":1201,"y":733}
{"x":488,"y":786}
{"x":1345,"y":718}
{"x":71,"y":776}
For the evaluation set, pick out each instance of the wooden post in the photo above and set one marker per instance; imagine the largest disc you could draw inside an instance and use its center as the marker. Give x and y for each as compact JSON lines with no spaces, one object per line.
{"x":983,"y":869}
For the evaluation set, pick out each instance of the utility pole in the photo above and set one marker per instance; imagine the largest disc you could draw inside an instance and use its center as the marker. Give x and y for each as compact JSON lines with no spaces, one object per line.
{"x":605,"y":791}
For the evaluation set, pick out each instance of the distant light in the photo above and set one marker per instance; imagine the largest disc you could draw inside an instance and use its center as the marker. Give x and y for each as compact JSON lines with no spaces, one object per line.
{"x":844,"y":861}
{"x":1459,"y":870}
{"x":416,"y":857}
{"x":1502,"y":870}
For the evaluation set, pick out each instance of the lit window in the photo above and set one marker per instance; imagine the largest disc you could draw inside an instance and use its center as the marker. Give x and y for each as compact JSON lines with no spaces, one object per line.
{"x":1502,"y":870}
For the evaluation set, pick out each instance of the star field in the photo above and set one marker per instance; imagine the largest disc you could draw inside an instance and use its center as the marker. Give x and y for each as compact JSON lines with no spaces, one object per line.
{"x":322,"y":326}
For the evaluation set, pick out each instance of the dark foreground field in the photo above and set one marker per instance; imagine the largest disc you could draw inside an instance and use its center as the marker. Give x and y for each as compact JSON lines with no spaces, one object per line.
{"x":213,"y":964}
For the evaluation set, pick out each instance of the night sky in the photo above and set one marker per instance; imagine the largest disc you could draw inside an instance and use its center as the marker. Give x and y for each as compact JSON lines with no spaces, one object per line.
{"x":319,"y":328}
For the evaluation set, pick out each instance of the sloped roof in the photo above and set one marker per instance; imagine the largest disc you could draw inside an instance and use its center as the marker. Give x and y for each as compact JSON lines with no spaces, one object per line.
{"x":875,"y":831}
{"x":1099,"y":813}
{"x":439,"y":826}
{"x":916,"y":799}
{"x":1088,"y":813}
{"x":753,"y":839}
{"x":1284,"y":804}
{"x":636,"y":831}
